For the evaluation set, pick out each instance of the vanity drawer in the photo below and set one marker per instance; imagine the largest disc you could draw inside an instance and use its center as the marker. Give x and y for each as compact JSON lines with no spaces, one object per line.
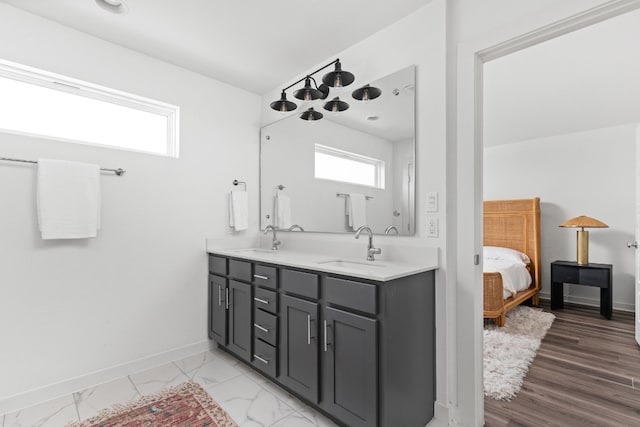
{"x":297,"y":282}
{"x":240,"y":270}
{"x":350,"y":294}
{"x":265,"y":300}
{"x":265,"y":326}
{"x":264,"y":276}
{"x":217,"y":265}
{"x":264,"y":357}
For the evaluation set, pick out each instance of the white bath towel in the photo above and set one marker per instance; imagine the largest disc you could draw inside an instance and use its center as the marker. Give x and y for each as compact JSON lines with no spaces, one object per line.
{"x":283,"y":211}
{"x":68,"y":199}
{"x":356,"y":210}
{"x":239,"y":210}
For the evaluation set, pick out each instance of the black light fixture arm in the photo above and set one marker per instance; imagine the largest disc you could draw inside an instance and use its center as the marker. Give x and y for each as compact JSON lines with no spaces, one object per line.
{"x":310,"y":75}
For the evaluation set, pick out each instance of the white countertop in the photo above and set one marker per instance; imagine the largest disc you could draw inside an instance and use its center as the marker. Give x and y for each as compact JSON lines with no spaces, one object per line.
{"x":337,"y":262}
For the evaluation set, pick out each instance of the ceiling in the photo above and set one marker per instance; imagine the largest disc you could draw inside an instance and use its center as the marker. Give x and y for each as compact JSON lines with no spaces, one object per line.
{"x":251,"y":44}
{"x":584,"y":80}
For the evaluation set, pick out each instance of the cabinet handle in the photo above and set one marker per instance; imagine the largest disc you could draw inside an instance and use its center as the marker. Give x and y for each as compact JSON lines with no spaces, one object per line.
{"x":325,"y":335}
{"x":226,"y":300}
{"x":262,"y":328}
{"x":263,"y":301}
{"x":257,"y":276}
{"x":308,"y":329}
{"x":266,"y":362}
{"x":219,"y":295}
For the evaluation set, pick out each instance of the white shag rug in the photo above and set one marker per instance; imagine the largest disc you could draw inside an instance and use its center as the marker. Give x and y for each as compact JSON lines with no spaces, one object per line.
{"x":508,"y":351}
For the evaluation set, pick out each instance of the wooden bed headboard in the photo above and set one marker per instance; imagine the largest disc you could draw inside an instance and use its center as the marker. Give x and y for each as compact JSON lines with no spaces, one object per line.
{"x":515,"y":224}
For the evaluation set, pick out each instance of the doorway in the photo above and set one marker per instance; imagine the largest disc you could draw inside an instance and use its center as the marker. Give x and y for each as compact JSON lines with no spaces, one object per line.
{"x":471,"y":60}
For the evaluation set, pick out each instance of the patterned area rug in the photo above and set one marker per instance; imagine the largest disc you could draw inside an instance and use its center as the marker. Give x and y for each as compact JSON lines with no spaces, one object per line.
{"x":508,"y":351}
{"x":187,"y":404}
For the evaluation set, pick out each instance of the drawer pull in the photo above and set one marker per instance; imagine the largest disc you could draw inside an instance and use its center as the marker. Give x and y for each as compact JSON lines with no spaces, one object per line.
{"x":258,"y":276}
{"x":262,"y":328}
{"x":263,"y":301}
{"x":266,"y":362}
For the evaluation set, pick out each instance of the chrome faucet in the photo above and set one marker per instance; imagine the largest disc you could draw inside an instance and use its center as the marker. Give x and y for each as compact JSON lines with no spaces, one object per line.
{"x":371,"y":251}
{"x":295,"y":227}
{"x":275,"y":243}
{"x":389,"y":228}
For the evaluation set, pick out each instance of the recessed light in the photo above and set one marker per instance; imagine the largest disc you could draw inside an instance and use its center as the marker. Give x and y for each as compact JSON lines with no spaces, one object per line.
{"x":113,"y":6}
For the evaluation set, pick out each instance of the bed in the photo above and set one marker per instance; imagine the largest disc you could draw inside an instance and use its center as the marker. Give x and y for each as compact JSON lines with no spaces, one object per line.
{"x":513,"y":224}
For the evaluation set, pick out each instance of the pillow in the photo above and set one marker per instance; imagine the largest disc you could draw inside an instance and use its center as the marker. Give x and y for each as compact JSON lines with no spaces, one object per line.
{"x":505,"y":254}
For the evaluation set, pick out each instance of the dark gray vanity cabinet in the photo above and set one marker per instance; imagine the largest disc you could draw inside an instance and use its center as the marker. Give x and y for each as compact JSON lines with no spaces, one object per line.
{"x":218,"y":305}
{"x":350,"y":367}
{"x":360,"y":351}
{"x":239,"y":338}
{"x":299,"y":346}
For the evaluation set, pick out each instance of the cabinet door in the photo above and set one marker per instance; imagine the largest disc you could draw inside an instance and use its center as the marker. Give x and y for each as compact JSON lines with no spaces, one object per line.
{"x":240,"y":319}
{"x":299,"y":346}
{"x":350,"y":367}
{"x":218,"y":309}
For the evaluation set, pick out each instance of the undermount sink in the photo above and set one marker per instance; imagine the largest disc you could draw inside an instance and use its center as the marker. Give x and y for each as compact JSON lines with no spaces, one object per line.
{"x":351,"y":264}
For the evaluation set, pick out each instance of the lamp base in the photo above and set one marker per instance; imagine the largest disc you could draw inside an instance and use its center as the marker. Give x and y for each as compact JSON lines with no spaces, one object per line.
{"x":583,"y":247}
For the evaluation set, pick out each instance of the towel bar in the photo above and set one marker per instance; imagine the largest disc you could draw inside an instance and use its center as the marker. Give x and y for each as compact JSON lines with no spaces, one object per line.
{"x":118,"y":171}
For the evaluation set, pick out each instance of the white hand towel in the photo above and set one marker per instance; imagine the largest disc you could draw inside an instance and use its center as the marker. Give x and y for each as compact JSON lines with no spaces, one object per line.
{"x":357,"y":210}
{"x":239,"y":210}
{"x":68,"y":199}
{"x":283,"y":211}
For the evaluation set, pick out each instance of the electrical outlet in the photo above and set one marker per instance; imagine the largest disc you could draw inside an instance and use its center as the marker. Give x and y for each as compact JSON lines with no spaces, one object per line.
{"x":432,"y":227}
{"x":432,"y":201}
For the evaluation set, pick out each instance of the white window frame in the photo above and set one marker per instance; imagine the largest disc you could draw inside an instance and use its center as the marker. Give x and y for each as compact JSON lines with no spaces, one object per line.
{"x":77,"y":87}
{"x":379,"y":164}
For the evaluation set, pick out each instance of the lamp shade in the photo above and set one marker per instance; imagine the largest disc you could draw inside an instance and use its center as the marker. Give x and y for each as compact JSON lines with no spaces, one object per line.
{"x":311,"y":115}
{"x":282,"y":104}
{"x":336,"y":105}
{"x":366,"y":93}
{"x":307,"y":93}
{"x":338,"y":77}
{"x":583,"y":222}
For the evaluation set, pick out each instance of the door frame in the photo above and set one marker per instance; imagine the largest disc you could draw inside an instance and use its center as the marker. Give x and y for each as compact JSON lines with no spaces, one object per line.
{"x":469,"y":188}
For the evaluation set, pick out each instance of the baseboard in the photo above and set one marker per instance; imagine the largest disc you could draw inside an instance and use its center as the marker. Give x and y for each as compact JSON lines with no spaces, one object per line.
{"x":592,"y":302}
{"x":441,"y":415}
{"x":63,"y":388}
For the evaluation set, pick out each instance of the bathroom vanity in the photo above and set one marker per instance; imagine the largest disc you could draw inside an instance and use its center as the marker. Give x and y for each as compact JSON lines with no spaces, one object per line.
{"x":355,"y":340}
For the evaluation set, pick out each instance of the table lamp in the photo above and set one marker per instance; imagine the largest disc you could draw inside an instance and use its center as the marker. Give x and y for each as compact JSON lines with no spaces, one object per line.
{"x":583,"y":222}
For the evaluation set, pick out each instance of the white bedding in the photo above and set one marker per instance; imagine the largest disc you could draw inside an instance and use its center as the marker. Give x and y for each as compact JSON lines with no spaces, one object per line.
{"x":515,"y":276}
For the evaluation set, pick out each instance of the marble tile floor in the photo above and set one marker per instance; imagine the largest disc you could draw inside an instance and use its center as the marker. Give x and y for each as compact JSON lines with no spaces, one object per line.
{"x":250,"y":399}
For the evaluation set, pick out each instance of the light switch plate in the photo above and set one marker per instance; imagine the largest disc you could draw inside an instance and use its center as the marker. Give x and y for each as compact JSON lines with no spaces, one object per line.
{"x":432,"y":201}
{"x":432,"y":226}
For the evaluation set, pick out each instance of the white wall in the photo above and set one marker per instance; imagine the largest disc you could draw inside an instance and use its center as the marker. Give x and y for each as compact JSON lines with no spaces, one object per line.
{"x":74,"y":307}
{"x":587,"y":173}
{"x":288,"y":158}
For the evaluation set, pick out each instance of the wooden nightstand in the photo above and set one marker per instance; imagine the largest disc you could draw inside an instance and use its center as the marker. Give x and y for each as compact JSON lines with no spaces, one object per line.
{"x":599,"y":275}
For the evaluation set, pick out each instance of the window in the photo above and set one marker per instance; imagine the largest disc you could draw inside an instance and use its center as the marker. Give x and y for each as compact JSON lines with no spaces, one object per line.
{"x":38,"y":103}
{"x":339,"y":165}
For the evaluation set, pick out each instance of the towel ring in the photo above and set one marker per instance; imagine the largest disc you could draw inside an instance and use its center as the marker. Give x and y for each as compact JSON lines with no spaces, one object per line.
{"x":236,"y":182}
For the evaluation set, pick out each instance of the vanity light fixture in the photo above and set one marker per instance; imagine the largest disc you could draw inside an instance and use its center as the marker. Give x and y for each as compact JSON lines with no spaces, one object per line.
{"x":311,"y":115}
{"x":337,"y":78}
{"x":308,"y":93}
{"x":113,"y":6}
{"x":336,"y":105}
{"x":366,"y":93}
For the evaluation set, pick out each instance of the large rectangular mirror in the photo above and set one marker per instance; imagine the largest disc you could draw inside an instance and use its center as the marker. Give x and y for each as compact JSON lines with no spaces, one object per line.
{"x":350,"y":168}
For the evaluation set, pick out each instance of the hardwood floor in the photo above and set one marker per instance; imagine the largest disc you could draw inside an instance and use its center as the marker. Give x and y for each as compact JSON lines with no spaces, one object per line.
{"x":586,"y":373}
